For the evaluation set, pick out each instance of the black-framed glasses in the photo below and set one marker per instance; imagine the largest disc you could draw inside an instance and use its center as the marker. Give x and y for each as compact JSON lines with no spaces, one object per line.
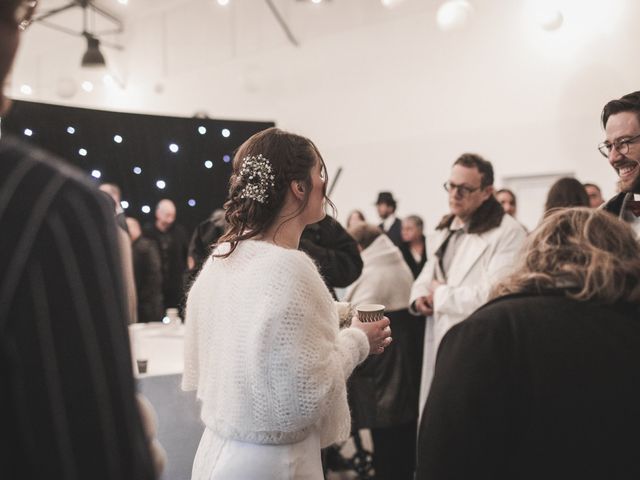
{"x":462,"y":190}
{"x":19,"y":13}
{"x":622,"y":146}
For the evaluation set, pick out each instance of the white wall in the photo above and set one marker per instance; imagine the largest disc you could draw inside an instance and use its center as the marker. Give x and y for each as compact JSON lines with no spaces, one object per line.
{"x":383,"y":93}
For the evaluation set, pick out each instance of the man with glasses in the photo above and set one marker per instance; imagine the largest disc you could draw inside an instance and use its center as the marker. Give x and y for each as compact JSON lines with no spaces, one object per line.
{"x":67,"y":396}
{"x":621,"y":122}
{"x":473,"y":246}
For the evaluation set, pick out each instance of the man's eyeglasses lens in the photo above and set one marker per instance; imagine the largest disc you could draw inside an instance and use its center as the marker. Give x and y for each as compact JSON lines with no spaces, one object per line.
{"x":461,"y":189}
{"x":622,"y":146}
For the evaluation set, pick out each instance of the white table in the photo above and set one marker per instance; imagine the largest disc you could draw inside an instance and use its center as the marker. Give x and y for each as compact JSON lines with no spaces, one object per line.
{"x":179,"y":424}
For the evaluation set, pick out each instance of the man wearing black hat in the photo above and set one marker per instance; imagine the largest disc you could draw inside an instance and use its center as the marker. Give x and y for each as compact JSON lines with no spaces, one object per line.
{"x":391,"y":225}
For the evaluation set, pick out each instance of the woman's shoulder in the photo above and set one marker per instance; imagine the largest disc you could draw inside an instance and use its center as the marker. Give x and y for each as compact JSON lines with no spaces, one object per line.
{"x":265,"y":257}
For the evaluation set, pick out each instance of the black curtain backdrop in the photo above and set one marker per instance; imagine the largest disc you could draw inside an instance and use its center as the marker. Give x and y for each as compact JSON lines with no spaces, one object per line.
{"x":145,"y":144}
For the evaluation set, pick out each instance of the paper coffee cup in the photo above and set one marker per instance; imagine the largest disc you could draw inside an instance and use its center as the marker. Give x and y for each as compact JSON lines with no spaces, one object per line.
{"x":142,"y":365}
{"x":370,"y":312}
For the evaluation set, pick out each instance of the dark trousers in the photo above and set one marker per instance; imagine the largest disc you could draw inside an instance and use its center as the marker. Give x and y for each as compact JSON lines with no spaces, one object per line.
{"x":394,"y":451}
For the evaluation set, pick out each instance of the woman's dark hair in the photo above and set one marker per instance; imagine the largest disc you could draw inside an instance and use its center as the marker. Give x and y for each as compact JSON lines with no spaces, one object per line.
{"x":566,"y":192}
{"x":292,"y":158}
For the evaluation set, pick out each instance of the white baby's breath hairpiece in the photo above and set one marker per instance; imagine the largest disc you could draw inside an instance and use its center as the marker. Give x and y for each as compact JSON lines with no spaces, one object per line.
{"x":257,"y":173}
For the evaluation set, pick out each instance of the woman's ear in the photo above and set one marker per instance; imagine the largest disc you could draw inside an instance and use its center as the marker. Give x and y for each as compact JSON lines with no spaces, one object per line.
{"x":297,"y":188}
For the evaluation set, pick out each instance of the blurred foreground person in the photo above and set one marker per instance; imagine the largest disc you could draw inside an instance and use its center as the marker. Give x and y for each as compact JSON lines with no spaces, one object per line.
{"x":67,"y":400}
{"x":543,"y":381}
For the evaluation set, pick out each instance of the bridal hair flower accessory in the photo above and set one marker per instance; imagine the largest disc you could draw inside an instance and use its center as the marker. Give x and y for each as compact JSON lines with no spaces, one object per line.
{"x":257,"y":172}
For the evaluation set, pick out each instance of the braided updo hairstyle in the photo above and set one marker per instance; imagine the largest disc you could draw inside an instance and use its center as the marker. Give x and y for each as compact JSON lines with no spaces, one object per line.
{"x":292,"y":158}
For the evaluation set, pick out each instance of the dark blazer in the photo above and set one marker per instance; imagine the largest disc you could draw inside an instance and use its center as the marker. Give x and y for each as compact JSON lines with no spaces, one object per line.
{"x":395,"y":232}
{"x":535,"y":386}
{"x":148,"y":274}
{"x":383,"y":390}
{"x":67,"y":405}
{"x":173,"y":246}
{"x":615,"y":204}
{"x":416,"y":267}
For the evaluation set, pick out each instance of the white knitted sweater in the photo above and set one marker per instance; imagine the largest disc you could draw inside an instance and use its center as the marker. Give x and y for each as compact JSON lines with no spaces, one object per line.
{"x":263,"y":350}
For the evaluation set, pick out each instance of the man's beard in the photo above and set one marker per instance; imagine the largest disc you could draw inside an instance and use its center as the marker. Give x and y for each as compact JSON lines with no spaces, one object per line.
{"x":633,"y":188}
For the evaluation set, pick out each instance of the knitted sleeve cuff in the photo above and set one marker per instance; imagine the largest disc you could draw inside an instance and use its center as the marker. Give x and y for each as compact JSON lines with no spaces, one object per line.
{"x":354,"y":345}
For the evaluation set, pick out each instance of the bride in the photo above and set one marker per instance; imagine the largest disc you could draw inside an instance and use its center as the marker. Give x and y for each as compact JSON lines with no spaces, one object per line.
{"x":262,"y":345}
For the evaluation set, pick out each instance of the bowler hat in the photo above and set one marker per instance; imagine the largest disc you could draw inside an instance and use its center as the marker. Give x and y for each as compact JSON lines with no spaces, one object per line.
{"x":386,"y":198}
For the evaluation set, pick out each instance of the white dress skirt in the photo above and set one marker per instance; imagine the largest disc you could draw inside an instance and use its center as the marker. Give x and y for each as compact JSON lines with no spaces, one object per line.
{"x":220,"y":458}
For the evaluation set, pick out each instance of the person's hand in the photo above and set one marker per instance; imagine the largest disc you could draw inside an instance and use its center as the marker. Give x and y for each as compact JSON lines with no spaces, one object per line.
{"x":424,"y":305}
{"x":378,"y":333}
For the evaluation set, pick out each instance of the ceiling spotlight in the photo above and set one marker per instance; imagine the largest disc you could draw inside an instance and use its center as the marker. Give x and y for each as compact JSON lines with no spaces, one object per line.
{"x":226,"y":159}
{"x":108,"y":80}
{"x":71,"y":130}
{"x":28,"y":132}
{"x":390,"y":3}
{"x":191,"y":202}
{"x":174,"y":148}
{"x":454,"y":15}
{"x":93,"y":57}
{"x":208,"y":164}
{"x":124,"y":204}
{"x":137,"y":170}
{"x":96,"y":173}
{"x":316,"y":1}
{"x":145,"y":209}
{"x":550,"y":19}
{"x":82,"y":152}
{"x":202,"y":130}
{"x":226,"y":132}
{"x":26,"y":89}
{"x":117,"y":138}
{"x":87,"y":86}
{"x":161,"y":184}
{"x":223,"y":3}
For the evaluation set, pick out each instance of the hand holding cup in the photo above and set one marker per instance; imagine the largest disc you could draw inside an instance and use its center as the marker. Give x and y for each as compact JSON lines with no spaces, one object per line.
{"x":378,"y":332}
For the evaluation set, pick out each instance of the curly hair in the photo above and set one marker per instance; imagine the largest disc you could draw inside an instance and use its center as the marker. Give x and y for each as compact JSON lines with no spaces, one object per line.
{"x":292,"y":157}
{"x":589,"y":253}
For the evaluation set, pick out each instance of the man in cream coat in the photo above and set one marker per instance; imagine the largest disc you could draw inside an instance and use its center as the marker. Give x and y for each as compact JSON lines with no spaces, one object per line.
{"x":473,"y":246}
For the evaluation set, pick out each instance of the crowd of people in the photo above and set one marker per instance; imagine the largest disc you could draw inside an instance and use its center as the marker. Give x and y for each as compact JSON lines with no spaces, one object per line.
{"x":511,"y":354}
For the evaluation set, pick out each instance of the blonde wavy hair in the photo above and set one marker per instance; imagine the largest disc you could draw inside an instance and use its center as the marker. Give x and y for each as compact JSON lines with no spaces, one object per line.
{"x":589,"y":253}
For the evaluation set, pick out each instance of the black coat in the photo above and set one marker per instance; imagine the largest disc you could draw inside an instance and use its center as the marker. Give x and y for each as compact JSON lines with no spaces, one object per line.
{"x":148,"y":274}
{"x":536,"y":386}
{"x":383,"y":390}
{"x":204,"y":237}
{"x":334,"y":251}
{"x":173,"y":246}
